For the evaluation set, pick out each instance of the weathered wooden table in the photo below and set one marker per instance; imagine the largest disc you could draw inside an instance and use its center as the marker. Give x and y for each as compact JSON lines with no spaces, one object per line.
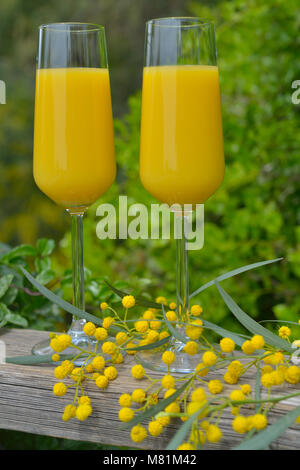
{"x":27,"y":403}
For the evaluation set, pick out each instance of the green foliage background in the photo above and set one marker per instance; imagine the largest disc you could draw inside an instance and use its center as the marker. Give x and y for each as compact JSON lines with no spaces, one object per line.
{"x":254,"y":216}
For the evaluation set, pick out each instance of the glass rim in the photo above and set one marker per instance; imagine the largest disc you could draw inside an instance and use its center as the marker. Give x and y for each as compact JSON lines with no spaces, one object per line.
{"x":62,"y":27}
{"x":163,"y":22}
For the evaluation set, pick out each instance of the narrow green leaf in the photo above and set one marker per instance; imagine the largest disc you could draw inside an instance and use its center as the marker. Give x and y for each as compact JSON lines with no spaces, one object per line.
{"x":138,"y":300}
{"x":155,"y":345}
{"x":251,"y":324}
{"x":257,"y":386}
{"x":179,"y":437}
{"x":60,"y":302}
{"x":280,"y":321}
{"x":271,"y":433}
{"x":4,"y":311}
{"x":174,"y":331}
{"x":235,"y":272}
{"x":32,"y":360}
{"x":153,"y":410}
{"x":5,"y":282}
{"x":224,"y":333}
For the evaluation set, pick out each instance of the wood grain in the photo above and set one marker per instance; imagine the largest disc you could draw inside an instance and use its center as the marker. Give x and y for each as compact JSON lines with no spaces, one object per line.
{"x":27,"y":403}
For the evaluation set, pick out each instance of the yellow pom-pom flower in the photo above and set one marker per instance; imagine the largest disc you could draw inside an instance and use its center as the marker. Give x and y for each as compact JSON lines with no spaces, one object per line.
{"x":161,"y":300}
{"x":121,"y":337}
{"x":196,"y":310}
{"x":89,"y":328}
{"x":55,"y":357}
{"x":227,"y":345}
{"x":168,"y":357}
{"x":126,"y":414}
{"x":258,"y":341}
{"x":191,"y":348}
{"x":240,"y":424}
{"x":237,"y":395}
{"x":172,"y":305}
{"x":100,"y":334}
{"x":60,"y":372}
{"x":209,"y":358}
{"x":111,"y":373}
{"x":215,"y":386}
{"x":138,"y":433}
{"x":101,"y":381}
{"x":155,"y":428}
{"x":198,"y":394}
{"x":213,"y":433}
{"x":168,"y":381}
{"x":138,"y":395}
{"x":246,"y":389}
{"x":103,"y":305}
{"x":186,"y":446}
{"x":141,"y":326}
{"x":292,"y":375}
{"x":59,"y":389}
{"x":171,"y":315}
{"x":138,"y":371}
{"x":128,"y":301}
{"x":69,"y":412}
{"x":109,"y":347}
{"x":259,"y":421}
{"x":125,"y":400}
{"x":98,"y":363}
{"x":247,"y":347}
{"x":107,"y":322}
{"x":83,"y":412}
{"x":284,"y":332}
{"x":202,"y":370}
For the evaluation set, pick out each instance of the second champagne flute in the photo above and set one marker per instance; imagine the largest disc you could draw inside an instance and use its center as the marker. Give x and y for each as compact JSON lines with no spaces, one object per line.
{"x":74,"y":159}
{"x":181,"y":149}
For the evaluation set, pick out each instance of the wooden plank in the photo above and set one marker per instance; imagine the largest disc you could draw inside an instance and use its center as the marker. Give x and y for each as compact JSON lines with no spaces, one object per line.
{"x":27,"y":403}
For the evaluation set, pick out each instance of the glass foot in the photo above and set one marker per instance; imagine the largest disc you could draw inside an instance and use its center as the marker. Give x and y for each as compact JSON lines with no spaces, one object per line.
{"x":79,"y":339}
{"x":183,"y":363}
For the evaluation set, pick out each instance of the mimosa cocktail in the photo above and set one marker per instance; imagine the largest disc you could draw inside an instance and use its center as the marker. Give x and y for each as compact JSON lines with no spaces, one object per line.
{"x":74,"y":161}
{"x":181,"y":152}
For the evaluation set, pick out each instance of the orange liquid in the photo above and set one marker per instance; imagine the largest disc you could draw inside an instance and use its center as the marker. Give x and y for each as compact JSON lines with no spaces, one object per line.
{"x":74,"y":159}
{"x":181,"y":150}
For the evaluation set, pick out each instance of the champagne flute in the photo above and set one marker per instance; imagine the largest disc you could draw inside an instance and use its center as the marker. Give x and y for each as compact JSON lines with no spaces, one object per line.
{"x":181,"y":146}
{"x":74,"y":159}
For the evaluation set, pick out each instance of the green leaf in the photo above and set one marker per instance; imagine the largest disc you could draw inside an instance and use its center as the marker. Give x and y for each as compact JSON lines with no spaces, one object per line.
{"x":155,"y":345}
{"x":174,"y":331}
{"x":16,"y":319}
{"x":45,"y":246}
{"x":31,"y":360}
{"x":4,"y":311}
{"x":251,"y":324}
{"x":153,"y":410}
{"x":60,"y":302}
{"x":5,"y":282}
{"x":19,"y":251}
{"x":45,"y":276}
{"x":235,"y":272}
{"x":268,"y":435}
{"x":257,"y":386}
{"x":179,"y":437}
{"x":224,"y":333}
{"x":138,"y":300}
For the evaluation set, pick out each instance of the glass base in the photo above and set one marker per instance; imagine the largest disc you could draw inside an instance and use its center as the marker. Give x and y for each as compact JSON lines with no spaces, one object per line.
{"x":79,"y":339}
{"x":183,"y":363}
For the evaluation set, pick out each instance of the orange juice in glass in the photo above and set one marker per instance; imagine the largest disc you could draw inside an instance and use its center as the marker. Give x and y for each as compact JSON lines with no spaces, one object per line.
{"x":74,"y":160}
{"x":181,"y":145}
{"x":181,"y":151}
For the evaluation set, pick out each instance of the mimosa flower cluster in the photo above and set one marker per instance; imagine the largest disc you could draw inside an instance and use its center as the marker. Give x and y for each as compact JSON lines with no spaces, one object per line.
{"x":196,"y":396}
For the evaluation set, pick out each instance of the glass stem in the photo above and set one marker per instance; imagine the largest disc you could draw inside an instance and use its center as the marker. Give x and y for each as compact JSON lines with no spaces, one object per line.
{"x":182,"y":271}
{"x":77,"y":269}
